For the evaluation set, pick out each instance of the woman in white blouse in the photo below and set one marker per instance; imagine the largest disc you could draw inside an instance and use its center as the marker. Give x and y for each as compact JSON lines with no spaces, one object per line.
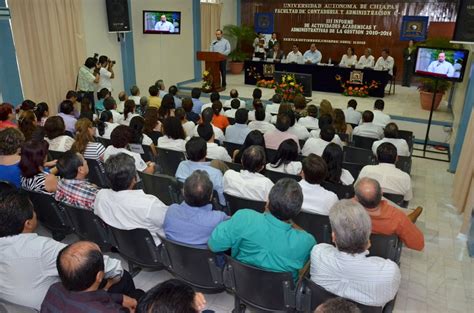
{"x":105,"y":125}
{"x":173,"y":137}
{"x":55,"y":134}
{"x":349,"y":59}
{"x":333,"y":156}
{"x":136,"y":125}
{"x":128,"y":112}
{"x":285,"y":159}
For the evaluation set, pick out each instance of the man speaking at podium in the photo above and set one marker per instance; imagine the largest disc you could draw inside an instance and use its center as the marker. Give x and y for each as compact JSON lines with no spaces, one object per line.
{"x":222,"y":46}
{"x":441,"y":66}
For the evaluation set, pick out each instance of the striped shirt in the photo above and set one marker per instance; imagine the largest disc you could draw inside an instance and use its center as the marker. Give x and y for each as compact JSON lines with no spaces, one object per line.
{"x":94,"y":151}
{"x":35,"y":183}
{"x":367,"y":280}
{"x":75,"y":192}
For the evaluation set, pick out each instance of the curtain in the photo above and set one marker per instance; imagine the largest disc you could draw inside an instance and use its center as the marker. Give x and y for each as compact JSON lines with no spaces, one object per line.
{"x":50,"y":46}
{"x":463,"y":185}
{"x":210,"y":21}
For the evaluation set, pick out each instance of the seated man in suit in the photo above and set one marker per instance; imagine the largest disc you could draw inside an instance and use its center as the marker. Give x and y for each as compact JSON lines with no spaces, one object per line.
{"x":391,"y":135}
{"x":275,"y":53}
{"x":268,"y":240}
{"x":368,"y":128}
{"x":345,"y":270}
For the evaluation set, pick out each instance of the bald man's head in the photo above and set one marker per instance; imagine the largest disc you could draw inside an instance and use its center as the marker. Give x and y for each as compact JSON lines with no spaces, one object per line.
{"x":368,"y":192}
{"x":78,"y":265}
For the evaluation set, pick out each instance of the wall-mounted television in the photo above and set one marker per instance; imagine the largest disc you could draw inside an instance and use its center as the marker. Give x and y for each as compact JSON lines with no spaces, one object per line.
{"x":162,"y":22}
{"x":443,"y":63}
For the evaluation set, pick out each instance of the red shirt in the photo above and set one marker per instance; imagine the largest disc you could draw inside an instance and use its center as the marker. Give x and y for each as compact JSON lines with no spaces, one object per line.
{"x":390,"y":220}
{"x":220,"y":121}
{"x":7,"y":124}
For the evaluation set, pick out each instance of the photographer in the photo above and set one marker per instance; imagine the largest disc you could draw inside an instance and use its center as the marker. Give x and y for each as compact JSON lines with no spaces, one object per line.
{"x":87,"y":78}
{"x":106,"y":73}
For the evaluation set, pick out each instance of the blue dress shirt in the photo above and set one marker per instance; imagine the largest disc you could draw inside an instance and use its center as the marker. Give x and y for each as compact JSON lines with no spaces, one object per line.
{"x":197,"y":105}
{"x":222,"y":46}
{"x":236,"y":133}
{"x":315,"y":57}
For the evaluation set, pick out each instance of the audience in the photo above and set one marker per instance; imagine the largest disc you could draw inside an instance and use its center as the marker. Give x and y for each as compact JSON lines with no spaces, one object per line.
{"x":86,"y":111}
{"x":137,"y":124}
{"x":387,"y":219}
{"x":219,"y":120}
{"x":66,"y":112}
{"x":296,"y":129}
{"x":152,"y":127}
{"x":193,"y":221}
{"x":234,"y":95}
{"x":153,"y":100}
{"x":333,"y":156}
{"x":105,"y":125}
{"x":27,"y":124}
{"x":143,"y":107}
{"x":345,"y":269}
{"x":11,"y":140}
{"x":324,"y":121}
{"x":128,"y":112}
{"x":55,"y":135}
{"x":160,"y":84}
{"x":85,"y":143}
{"x":42,"y":113}
{"x":317,"y":145}
{"x":325,"y":107}
{"x":391,"y":135}
{"x":257,"y":94}
{"x":284,"y":108}
{"x":260,"y":124}
{"x":188,"y":107}
{"x":299,"y":103}
{"x":207,"y":115}
{"x":274,"y":138}
{"x":275,"y":106}
{"x":254,"y":138}
{"x":380,"y":119}
{"x":111,"y":105}
{"x":72,"y":96}
{"x":188,"y":126}
{"x":337,"y":305}
{"x":352,"y":116}
{"x":286,"y":159}
{"x":167,"y":107}
{"x":125,"y":208}
{"x":368,"y":128}
{"x":257,"y":104}
{"x":310,"y":121}
{"x":122,"y":96}
{"x":392,"y":179}
{"x":35,"y":174}
{"x":135,"y":96}
{"x":173,"y":90}
{"x":174,"y":137}
{"x":214,"y":151}
{"x":249,"y":183}
{"x":316,"y":199}
{"x":235,"y":105}
{"x":215,"y":96}
{"x":197,"y":104}
{"x":238,"y":132}
{"x":267,"y":240}
{"x":340,"y":124}
{"x":7,"y":116}
{"x":103,"y":94}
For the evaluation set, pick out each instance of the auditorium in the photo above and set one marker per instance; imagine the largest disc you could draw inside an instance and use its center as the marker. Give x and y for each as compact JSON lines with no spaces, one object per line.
{"x":223,"y":156}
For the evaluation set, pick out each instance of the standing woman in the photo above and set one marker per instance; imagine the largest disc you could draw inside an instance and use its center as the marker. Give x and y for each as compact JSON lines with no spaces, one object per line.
{"x":408,"y":61}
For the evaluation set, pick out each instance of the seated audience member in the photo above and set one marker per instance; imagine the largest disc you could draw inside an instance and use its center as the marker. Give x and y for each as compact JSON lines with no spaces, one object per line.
{"x":257,"y":104}
{"x":219,"y":120}
{"x":188,"y":126}
{"x":257,"y":94}
{"x":317,"y":145}
{"x":137,"y":125}
{"x":160,"y":84}
{"x":206,"y":118}
{"x":188,"y":107}
{"x":28,"y":261}
{"x":325,"y":107}
{"x":391,"y":135}
{"x":167,"y":107}
{"x":234,"y":94}
{"x":57,"y":140}
{"x":284,"y":108}
{"x":106,"y":125}
{"x":120,"y":138}
{"x":196,"y":151}
{"x":238,"y":132}
{"x":173,"y":90}
{"x":337,"y":305}
{"x":35,"y":175}
{"x":86,"y":110}
{"x":73,"y":187}
{"x":214,"y":151}
{"x":380,"y":119}
{"x":85,"y":143}
{"x":174,"y":137}
{"x":368,"y":128}
{"x":154,"y":101}
{"x":143,"y":107}
{"x":340,"y":125}
{"x":268,"y":240}
{"x":128,"y":113}
{"x":7,"y":116}
{"x":111,"y":105}
{"x":345,"y":269}
{"x":193,"y":221}
{"x":286,"y":159}
{"x":135,"y":96}
{"x":324,"y":121}
{"x":215,"y":96}
{"x":26,"y":105}
{"x":275,"y":106}
{"x":125,"y":208}
{"x":235,"y":105}
{"x":27,"y":124}
{"x":333,"y":156}
{"x":197,"y":104}
{"x":66,"y":112}
{"x":299,"y":103}
{"x":152,"y":127}
{"x":11,"y":140}
{"x":316,"y":199}
{"x":81,"y":269}
{"x":122,"y":96}
{"x":170,"y":296}
{"x":352,"y":116}
{"x":260,"y":124}
{"x":103,"y":94}
{"x":254,"y":138}
{"x":249,"y":183}
{"x":387,"y":219}
{"x":392,"y":179}
{"x":310,"y":121}
{"x":274,"y":138}
{"x":296,"y":129}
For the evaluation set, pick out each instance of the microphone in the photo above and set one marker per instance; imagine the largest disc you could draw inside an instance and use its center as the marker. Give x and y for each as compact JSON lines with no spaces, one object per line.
{"x":214,"y":42}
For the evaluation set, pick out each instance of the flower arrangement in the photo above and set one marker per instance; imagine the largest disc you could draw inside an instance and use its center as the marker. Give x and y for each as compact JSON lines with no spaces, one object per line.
{"x":356,"y":90}
{"x":288,"y":88}
{"x":266,"y":83}
{"x":206,"y":81}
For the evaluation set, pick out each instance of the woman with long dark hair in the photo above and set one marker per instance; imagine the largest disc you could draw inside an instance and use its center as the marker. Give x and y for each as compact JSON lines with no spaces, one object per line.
{"x":105,"y":125}
{"x":42,"y":113}
{"x":254,"y":138}
{"x":128,"y":112}
{"x":35,"y":175}
{"x":286,"y":159}
{"x":55,"y":134}
{"x":174,"y":137}
{"x":27,"y":124}
{"x":333,"y":155}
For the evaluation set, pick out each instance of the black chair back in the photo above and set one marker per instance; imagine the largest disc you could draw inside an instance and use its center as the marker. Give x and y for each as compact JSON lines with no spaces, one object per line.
{"x":235,"y":203}
{"x":276,"y":176}
{"x":194,"y":265}
{"x":315,"y":224}
{"x":54,"y":155}
{"x":353,"y":168}
{"x":404,"y":164}
{"x":363,"y":142}
{"x":164,"y":187}
{"x":231,"y":147}
{"x":6,"y":186}
{"x":264,"y":290}
{"x":169,"y":160}
{"x":96,"y":174}
{"x":234,"y":166}
{"x":386,"y":246}
{"x":148,"y":154}
{"x":231,"y":120}
{"x":271,"y":155}
{"x":105,"y":142}
{"x":397,"y":199}
{"x":358,"y":155}
{"x":342,"y":191}
{"x":408,"y":136}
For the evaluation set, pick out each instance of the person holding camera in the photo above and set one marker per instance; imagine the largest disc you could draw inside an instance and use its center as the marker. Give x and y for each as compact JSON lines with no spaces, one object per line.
{"x":106,"y":73}
{"x":87,"y":78}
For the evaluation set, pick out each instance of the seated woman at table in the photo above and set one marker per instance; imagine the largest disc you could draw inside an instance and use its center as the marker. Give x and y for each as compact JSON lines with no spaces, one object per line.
{"x":367,"y":60}
{"x":349,"y":59}
{"x":275,"y":53}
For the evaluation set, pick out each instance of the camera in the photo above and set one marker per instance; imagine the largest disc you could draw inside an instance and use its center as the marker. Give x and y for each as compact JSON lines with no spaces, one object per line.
{"x":113,"y":62}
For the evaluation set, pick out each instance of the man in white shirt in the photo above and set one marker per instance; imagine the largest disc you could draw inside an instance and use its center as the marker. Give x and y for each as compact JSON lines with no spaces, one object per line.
{"x":312,"y":56}
{"x":344,"y":269}
{"x":213,"y":98}
{"x":206,"y":117}
{"x":368,"y":128}
{"x":317,"y":145}
{"x":106,"y":73}
{"x":391,"y":135}
{"x":249,"y":183}
{"x":295,"y":55}
{"x":135,"y":96}
{"x":441,"y":66}
{"x":257,"y":103}
{"x":390,"y":178}
{"x":275,"y":106}
{"x":164,"y":26}
{"x":367,"y":60}
{"x":316,"y":199}
{"x":352,"y":116}
{"x":235,"y":105}
{"x":380,"y":119}
{"x":234,"y":94}
{"x":296,"y":129}
{"x":385,"y":62}
{"x":27,"y":260}
{"x":260,"y":124}
{"x":238,"y":132}
{"x":214,"y":151}
{"x":311,"y":120}
{"x":122,"y":96}
{"x":125,"y":208}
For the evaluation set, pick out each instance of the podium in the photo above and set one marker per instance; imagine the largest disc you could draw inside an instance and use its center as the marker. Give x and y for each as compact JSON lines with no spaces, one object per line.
{"x":212,"y":65}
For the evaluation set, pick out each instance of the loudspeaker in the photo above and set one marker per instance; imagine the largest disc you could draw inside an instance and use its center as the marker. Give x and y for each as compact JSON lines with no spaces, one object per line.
{"x":117,"y":15}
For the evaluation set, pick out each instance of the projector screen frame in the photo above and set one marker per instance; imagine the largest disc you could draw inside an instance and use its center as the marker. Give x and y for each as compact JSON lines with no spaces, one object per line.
{"x":158,"y":32}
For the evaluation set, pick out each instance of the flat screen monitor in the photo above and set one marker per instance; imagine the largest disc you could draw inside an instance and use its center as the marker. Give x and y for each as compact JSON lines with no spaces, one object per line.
{"x":162,"y":22}
{"x":304,"y":79}
{"x":443,"y":63}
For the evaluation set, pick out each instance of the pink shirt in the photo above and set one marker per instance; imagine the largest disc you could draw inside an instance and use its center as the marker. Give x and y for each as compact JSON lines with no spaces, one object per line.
{"x":274,"y":138}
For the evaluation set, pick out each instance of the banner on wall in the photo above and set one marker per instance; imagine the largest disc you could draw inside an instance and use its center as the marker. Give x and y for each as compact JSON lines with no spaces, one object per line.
{"x":464,"y":30}
{"x":264,"y":23}
{"x":414,"y":28}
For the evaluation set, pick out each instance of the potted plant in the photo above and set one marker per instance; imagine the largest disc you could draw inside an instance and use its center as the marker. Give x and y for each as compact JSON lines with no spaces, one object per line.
{"x":427,"y":91}
{"x":238,"y":35}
